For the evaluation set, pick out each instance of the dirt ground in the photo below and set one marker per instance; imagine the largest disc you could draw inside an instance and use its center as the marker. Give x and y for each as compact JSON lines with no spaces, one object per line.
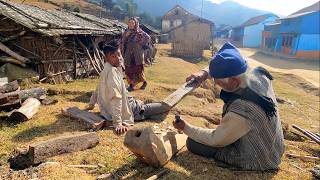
{"x":199,"y":108}
{"x":306,"y":69}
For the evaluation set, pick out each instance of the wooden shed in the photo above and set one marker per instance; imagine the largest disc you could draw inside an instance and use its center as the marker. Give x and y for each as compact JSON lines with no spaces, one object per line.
{"x":57,"y":44}
{"x":189,"y":40}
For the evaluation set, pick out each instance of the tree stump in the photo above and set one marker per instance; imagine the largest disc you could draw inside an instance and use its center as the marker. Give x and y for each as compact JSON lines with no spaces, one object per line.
{"x":154,"y":149}
{"x":28,"y":109}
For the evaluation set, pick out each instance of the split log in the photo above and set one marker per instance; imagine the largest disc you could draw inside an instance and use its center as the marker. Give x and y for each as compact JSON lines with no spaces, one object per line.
{"x":28,"y":109}
{"x":13,"y":54}
{"x":153,"y":148}
{"x":180,"y":93}
{"x":38,"y":93}
{"x":92,"y":121}
{"x":308,"y":134}
{"x":9,"y":87}
{"x":39,"y":152}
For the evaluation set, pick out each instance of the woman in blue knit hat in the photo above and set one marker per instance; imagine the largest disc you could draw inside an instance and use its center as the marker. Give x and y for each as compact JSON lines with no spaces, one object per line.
{"x":249,"y":136}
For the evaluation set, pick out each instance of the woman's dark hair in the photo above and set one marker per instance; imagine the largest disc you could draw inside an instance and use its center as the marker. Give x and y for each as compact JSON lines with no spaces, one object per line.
{"x":111,"y":47}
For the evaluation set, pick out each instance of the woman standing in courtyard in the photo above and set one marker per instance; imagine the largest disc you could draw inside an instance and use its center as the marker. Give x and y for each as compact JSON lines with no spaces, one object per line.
{"x":134,"y":42}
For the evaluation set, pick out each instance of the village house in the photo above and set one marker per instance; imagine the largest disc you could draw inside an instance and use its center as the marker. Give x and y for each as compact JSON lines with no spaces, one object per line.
{"x":249,"y":34}
{"x":297,"y":35}
{"x":56,"y":44}
{"x":183,"y":29}
{"x":175,"y":17}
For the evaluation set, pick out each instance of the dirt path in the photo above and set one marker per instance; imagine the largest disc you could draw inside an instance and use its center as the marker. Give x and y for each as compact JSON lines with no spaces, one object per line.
{"x":308,"y":70}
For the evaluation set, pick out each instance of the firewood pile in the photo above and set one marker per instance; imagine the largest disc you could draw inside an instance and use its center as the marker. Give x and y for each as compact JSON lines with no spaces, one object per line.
{"x":22,"y":105}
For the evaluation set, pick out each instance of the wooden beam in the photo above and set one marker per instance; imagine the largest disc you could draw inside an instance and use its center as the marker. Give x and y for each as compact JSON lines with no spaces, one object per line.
{"x":13,"y":54}
{"x":92,"y":121}
{"x":6,"y":59}
{"x":308,"y":158}
{"x":13,"y":36}
{"x":180,"y":93}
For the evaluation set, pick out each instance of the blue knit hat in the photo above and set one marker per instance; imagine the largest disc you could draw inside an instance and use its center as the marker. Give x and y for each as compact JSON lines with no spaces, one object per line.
{"x":227,"y":62}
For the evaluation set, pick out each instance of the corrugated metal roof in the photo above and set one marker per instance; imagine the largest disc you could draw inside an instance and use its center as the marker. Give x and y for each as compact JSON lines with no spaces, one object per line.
{"x":312,"y":8}
{"x":257,"y":20}
{"x":298,"y":15}
{"x":54,"y":22}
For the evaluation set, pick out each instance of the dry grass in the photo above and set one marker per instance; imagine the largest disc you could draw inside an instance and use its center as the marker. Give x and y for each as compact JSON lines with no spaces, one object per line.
{"x":165,"y":76}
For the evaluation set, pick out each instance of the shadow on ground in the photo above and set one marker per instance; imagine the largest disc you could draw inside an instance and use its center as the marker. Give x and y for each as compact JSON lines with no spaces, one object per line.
{"x":60,"y":126}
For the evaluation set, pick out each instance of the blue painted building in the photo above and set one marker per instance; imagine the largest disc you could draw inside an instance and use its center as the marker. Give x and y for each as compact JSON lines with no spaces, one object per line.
{"x":297,"y":35}
{"x":249,"y":34}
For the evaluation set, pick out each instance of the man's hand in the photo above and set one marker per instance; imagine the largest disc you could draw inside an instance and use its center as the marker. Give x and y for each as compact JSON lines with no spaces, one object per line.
{"x":89,"y":107}
{"x":120,"y":129}
{"x":179,"y":124}
{"x":198,"y":76}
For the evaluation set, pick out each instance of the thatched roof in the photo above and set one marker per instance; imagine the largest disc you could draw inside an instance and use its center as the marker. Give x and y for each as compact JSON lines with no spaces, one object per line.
{"x":55,"y":22}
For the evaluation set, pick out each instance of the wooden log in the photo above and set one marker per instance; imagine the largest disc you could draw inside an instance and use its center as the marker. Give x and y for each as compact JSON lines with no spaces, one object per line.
{"x":38,"y":93}
{"x":180,"y":93}
{"x":153,"y":148}
{"x":92,"y":121}
{"x":39,"y":152}
{"x":13,"y":103}
{"x":83,"y":166}
{"x":9,"y":87}
{"x":28,"y":109}
{"x":308,"y":134}
{"x":13,"y":54}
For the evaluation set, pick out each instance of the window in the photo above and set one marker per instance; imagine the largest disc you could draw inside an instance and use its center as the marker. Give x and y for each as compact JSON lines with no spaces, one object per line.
{"x":287,"y":41}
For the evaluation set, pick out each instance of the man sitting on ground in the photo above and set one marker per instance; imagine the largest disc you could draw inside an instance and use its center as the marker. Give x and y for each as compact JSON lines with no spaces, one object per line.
{"x":112,"y":97}
{"x":250,"y":135}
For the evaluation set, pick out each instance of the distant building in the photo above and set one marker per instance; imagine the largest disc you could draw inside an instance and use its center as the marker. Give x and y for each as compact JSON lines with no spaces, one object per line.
{"x":249,"y":34}
{"x":223,"y":32}
{"x":175,"y":17}
{"x":191,"y":39}
{"x":189,"y":34}
{"x":153,"y":32}
{"x":297,"y":35}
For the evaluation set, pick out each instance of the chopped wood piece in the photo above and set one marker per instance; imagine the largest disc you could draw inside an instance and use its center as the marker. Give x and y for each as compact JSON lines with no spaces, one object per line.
{"x":28,"y":109}
{"x":154,"y":149}
{"x":93,"y":121}
{"x":39,"y":152}
{"x":49,"y":101}
{"x":9,"y":87}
